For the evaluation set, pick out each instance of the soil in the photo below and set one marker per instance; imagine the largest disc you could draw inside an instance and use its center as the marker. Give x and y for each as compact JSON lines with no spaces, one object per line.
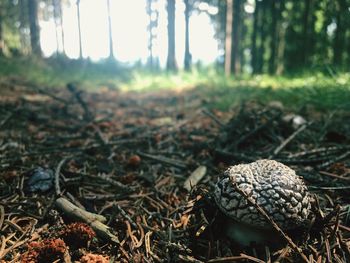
{"x":126,"y":157}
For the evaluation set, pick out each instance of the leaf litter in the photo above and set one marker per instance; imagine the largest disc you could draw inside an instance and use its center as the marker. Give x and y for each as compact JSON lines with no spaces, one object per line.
{"x":135,"y":172}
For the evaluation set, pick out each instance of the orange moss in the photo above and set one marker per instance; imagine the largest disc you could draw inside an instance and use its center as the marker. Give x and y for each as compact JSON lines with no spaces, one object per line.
{"x":93,"y":258}
{"x":47,"y":250}
{"x":77,"y":234}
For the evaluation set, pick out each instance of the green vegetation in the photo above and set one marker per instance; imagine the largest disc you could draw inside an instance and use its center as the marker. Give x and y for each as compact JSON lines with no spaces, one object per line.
{"x":323,"y":91}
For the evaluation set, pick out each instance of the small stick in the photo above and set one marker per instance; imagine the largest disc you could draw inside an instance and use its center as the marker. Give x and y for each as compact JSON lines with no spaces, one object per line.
{"x":234,"y":155}
{"x":57,"y":176}
{"x":340,"y":157}
{"x":236,"y":258}
{"x":273,"y":223}
{"x":213,"y":117}
{"x":125,"y":215}
{"x":335,"y":176}
{"x":2,"y":216}
{"x":254,"y":131}
{"x":94,"y":220}
{"x":322,"y":150}
{"x":288,"y":140}
{"x":164,"y":160}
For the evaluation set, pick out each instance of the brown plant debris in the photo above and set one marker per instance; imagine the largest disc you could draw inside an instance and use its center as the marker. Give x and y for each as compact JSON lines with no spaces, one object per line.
{"x":120,"y":161}
{"x":77,"y":235}
{"x":93,"y":258}
{"x":44,"y":251}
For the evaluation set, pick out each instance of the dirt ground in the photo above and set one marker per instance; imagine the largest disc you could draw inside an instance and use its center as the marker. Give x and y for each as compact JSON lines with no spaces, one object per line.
{"x":125,"y":158}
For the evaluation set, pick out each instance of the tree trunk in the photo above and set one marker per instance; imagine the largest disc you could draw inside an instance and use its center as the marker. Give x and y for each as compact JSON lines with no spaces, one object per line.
{"x":79,"y":31}
{"x":243,"y":34}
{"x":228,"y":37}
{"x":305,"y":49}
{"x":56,"y":17}
{"x":281,"y":41}
{"x":34,"y":27}
{"x":1,"y":33}
{"x":110,"y":35}
{"x":236,"y":30}
{"x":23,"y":26}
{"x":262,"y":31}
{"x":171,"y":64}
{"x":254,"y":63}
{"x":188,"y":57}
{"x":58,"y":13}
{"x":274,"y":13}
{"x":150,"y":35}
{"x":339,"y":38}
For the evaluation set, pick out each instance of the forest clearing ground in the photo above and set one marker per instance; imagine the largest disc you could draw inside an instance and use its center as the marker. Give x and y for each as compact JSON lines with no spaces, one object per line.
{"x":126,"y":156}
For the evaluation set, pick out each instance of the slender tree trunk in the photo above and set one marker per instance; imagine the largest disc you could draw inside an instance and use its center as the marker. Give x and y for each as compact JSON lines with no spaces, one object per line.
{"x":79,"y":31}
{"x":262,"y":31}
{"x":236,"y":30}
{"x":56,"y":18}
{"x":242,"y":36}
{"x":150,"y":35}
{"x":228,"y":37}
{"x":171,"y":60}
{"x":187,"y":60}
{"x":34,"y":27}
{"x":305,"y":49}
{"x":60,"y":11}
{"x":23,"y":26}
{"x":273,"y":34}
{"x":111,"y":53}
{"x":281,"y":40}
{"x":254,"y":63}
{"x":1,"y":33}
{"x":339,"y":38}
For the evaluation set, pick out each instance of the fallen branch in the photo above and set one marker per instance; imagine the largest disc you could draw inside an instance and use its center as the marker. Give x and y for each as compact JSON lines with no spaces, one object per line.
{"x":213,"y":117}
{"x":57,"y":176}
{"x":94,"y":220}
{"x":288,"y":140}
{"x":195,"y":177}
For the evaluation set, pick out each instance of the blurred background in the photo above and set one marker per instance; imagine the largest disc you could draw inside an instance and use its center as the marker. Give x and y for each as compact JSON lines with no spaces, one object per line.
{"x":132,"y":43}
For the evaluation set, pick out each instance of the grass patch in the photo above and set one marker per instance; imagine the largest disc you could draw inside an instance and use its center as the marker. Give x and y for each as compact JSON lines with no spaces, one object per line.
{"x":59,"y":71}
{"x":323,"y":91}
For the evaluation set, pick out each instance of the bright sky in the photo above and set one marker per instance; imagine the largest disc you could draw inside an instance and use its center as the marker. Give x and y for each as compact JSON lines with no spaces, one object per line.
{"x":130,"y":36}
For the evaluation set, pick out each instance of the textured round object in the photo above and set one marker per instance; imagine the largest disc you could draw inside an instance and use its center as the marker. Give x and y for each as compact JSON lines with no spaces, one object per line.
{"x":273,"y":186}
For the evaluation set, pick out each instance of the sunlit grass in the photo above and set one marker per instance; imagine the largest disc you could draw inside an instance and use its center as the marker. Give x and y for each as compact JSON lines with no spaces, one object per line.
{"x":322,"y":91}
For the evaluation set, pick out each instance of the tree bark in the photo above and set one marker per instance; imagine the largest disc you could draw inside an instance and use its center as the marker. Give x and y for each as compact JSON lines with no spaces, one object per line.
{"x":254,"y":37}
{"x":339,"y":38}
{"x":236,"y":30}
{"x":62,"y":30}
{"x":1,"y":33}
{"x":110,"y":36}
{"x":34,"y":27}
{"x":188,"y":57}
{"x":58,"y":16}
{"x":281,"y":41}
{"x":273,"y":42}
{"x":305,"y":49}
{"x":79,"y":31}
{"x":150,"y":35}
{"x":228,"y":37}
{"x":262,"y":31}
{"x":23,"y":20}
{"x":171,"y":60}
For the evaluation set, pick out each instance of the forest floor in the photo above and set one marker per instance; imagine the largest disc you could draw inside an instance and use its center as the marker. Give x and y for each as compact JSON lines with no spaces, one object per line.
{"x":126,"y":157}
